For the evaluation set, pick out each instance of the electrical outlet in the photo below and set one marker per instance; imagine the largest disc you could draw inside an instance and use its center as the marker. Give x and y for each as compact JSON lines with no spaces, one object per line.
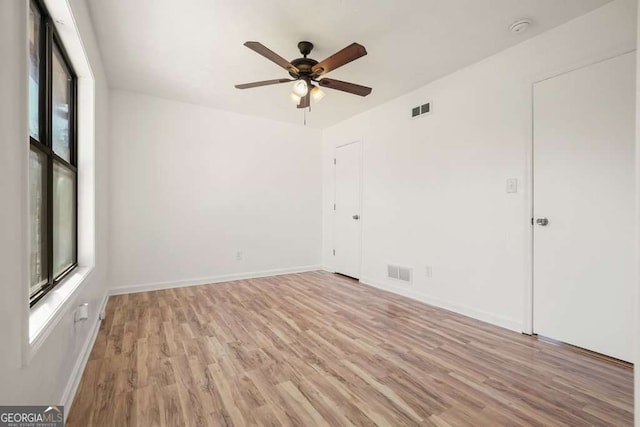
{"x":239,"y":256}
{"x":81,"y":313}
{"x":428,"y":271}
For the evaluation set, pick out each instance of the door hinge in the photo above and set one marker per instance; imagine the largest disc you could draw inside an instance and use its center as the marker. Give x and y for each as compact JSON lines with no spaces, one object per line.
{"x":334,"y":161}
{"x":531,"y":221}
{"x":334,"y":252}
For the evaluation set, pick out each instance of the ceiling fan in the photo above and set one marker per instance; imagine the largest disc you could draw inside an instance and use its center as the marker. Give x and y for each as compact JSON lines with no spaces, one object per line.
{"x":306,"y":71}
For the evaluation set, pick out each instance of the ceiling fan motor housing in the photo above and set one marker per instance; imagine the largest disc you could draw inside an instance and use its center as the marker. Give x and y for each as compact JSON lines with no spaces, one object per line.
{"x":304,"y":65}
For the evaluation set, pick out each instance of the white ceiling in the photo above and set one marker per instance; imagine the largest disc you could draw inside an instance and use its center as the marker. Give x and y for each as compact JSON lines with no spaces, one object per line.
{"x":191,"y":50}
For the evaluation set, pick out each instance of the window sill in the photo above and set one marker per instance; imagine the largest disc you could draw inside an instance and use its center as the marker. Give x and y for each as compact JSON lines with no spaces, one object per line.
{"x":48,"y":312}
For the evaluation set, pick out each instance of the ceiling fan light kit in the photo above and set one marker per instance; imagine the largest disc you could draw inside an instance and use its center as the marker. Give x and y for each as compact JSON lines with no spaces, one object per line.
{"x":300,"y":88}
{"x":307,"y":71}
{"x":317,"y":94}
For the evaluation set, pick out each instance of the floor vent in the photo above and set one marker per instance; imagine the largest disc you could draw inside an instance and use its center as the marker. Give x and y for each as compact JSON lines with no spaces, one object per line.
{"x":403,"y":274}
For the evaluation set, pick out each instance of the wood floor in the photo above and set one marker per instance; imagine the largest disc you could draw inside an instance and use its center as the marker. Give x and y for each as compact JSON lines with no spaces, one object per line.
{"x":318,"y":349}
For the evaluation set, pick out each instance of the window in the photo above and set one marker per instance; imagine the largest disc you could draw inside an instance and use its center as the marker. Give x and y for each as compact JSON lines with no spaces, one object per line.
{"x":53,"y":174}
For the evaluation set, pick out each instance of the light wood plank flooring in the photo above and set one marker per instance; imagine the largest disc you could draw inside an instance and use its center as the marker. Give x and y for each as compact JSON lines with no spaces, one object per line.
{"x":319,"y":349}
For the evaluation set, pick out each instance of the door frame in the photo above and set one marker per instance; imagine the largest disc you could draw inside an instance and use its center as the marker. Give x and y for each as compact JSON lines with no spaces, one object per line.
{"x":335,"y":187}
{"x":528,"y":302}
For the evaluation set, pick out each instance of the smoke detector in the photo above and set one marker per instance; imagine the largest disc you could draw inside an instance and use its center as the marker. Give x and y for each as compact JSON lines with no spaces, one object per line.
{"x":520,"y":26}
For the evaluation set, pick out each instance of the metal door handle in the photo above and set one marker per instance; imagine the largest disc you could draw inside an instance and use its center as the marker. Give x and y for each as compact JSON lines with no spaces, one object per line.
{"x":542,"y":221}
{"x":356,"y":217}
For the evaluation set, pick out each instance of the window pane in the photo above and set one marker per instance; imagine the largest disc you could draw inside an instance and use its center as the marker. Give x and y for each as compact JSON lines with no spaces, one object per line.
{"x":38,"y":219}
{"x":34,"y":73}
{"x":61,"y":98}
{"x":64,"y":218}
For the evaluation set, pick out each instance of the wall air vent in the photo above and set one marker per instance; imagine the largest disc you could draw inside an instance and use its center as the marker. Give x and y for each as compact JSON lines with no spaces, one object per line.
{"x":403,"y":274}
{"x":421,"y":110}
{"x":392,"y":272}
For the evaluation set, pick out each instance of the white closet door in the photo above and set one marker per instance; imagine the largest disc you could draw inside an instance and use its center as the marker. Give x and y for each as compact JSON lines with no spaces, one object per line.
{"x":584,"y":257}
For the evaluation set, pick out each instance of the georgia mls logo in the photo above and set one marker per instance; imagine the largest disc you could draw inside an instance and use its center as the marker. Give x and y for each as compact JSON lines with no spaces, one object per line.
{"x":31,"y":416}
{"x":53,"y":408}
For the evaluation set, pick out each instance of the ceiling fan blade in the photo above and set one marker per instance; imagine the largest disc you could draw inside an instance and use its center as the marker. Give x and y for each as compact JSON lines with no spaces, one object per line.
{"x":305,"y":101}
{"x":263,"y":83}
{"x":272,"y":56}
{"x":345,"y":87}
{"x":338,"y":59}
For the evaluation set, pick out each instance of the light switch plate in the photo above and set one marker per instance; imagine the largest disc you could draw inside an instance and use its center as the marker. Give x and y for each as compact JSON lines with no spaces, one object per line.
{"x":512,"y":185}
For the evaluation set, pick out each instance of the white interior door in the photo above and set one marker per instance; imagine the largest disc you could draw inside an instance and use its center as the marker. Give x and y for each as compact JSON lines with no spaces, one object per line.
{"x":584,"y":259}
{"x":347,"y":210}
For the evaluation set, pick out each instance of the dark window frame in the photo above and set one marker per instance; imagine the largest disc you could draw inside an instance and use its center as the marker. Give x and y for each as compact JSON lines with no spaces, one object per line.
{"x":48,"y":43}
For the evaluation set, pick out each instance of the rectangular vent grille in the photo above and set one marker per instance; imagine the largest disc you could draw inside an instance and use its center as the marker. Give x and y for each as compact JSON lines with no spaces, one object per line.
{"x":403,"y":274}
{"x":421,"y":110}
{"x":392,"y":272}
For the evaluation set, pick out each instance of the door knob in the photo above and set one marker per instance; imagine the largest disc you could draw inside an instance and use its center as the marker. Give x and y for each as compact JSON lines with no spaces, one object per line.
{"x":542,"y":221}
{"x":356,"y":217}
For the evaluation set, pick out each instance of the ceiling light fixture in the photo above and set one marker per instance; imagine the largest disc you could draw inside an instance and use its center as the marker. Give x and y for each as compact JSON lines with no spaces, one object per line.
{"x":305,"y":72}
{"x":300,"y":88}
{"x":295,"y":98}
{"x":316,"y":93}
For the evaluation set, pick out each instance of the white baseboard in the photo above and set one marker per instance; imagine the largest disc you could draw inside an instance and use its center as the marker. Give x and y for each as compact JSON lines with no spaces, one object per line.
{"x":482,"y":315}
{"x":78,"y":369}
{"x":209,"y":280}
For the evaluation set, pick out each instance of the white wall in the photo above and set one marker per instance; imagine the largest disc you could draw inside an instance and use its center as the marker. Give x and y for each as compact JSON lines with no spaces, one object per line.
{"x":46,"y":378}
{"x":192,"y":186}
{"x":434,"y":188}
